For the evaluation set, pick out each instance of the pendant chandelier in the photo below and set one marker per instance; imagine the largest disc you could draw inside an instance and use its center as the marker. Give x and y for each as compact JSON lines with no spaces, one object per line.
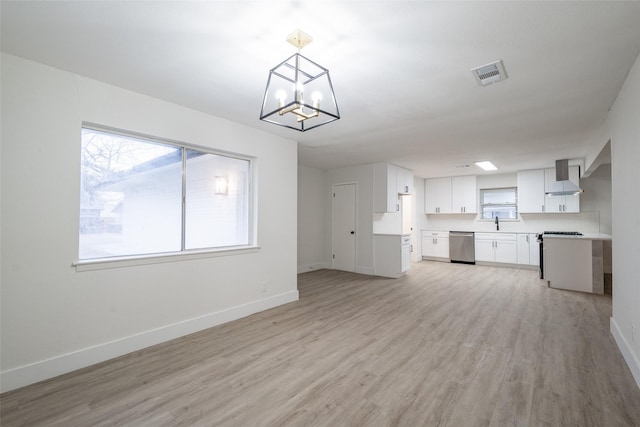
{"x":299,"y":94}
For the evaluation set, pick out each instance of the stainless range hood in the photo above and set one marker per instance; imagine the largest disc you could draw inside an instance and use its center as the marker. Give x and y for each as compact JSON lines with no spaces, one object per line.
{"x":562,"y":185}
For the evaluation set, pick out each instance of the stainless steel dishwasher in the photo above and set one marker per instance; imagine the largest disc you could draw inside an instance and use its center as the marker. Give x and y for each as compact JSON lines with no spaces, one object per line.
{"x":462,"y":247}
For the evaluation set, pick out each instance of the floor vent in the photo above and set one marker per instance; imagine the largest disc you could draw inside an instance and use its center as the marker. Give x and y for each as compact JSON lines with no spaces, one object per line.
{"x":489,"y":73}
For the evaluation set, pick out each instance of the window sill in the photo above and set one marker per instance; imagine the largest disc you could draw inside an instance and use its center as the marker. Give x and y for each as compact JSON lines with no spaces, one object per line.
{"x":131,"y":261}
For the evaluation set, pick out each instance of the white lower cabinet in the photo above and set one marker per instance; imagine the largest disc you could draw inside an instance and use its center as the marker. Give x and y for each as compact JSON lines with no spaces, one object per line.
{"x":528,"y":249}
{"x":496,"y":247}
{"x":392,"y":255}
{"x":435,"y":244}
{"x":405,"y":257}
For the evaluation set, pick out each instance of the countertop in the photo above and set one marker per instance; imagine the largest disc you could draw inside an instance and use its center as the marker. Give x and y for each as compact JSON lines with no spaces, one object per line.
{"x":585,"y":236}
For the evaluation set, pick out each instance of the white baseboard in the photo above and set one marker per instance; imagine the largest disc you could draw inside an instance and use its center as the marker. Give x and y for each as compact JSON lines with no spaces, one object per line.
{"x":49,"y":368}
{"x":365,"y":270}
{"x":626,"y":350}
{"x":311,"y":267}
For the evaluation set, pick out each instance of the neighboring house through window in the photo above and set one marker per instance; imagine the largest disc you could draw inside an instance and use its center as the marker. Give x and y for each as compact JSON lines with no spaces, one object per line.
{"x":143,"y":196}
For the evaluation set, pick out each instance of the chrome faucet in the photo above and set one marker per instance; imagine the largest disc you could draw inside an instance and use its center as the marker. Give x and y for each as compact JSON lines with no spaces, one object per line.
{"x":497,"y":223}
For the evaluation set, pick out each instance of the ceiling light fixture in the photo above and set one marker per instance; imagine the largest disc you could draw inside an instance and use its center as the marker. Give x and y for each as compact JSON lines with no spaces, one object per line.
{"x":299,"y":94}
{"x":487,"y":165}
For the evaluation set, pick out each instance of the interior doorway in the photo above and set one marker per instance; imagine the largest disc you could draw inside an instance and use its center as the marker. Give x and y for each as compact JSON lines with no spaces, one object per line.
{"x":343,"y":235}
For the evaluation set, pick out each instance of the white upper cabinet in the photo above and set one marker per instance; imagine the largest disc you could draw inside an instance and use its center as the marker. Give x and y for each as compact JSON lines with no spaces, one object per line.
{"x":464,"y":194}
{"x":451,"y":195}
{"x":437,"y":195}
{"x":389,"y":181}
{"x":561,"y":203}
{"x":531,"y":184}
{"x":404,"y":181}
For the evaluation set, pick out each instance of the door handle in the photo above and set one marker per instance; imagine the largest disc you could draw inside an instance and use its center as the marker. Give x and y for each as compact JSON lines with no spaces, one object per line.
{"x":353,"y":232}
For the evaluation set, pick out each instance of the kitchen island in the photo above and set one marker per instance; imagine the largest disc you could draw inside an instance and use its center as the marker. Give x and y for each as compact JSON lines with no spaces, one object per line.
{"x":575,"y":262}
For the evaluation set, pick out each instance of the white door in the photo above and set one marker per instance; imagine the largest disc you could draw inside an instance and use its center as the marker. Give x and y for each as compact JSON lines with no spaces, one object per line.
{"x":405,"y":257}
{"x":506,"y":251}
{"x":437,"y":195}
{"x":485,"y":250}
{"x":344,"y":227}
{"x":534,"y":250}
{"x":406,"y":205}
{"x":531,"y":191}
{"x":523,"y":249}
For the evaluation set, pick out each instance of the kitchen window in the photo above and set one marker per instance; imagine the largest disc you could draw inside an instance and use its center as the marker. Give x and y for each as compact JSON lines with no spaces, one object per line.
{"x":141,"y":196}
{"x":499,"y":203}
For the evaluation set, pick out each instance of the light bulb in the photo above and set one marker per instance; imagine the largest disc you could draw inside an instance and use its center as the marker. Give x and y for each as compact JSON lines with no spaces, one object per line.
{"x":316,"y":97}
{"x":281,"y":95}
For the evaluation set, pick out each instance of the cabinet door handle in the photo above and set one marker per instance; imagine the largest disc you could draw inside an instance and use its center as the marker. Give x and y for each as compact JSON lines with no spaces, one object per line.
{"x":560,"y":208}
{"x":542,"y":208}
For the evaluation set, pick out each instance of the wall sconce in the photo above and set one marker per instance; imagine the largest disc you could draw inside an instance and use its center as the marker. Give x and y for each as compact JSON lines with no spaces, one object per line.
{"x":222,"y":185}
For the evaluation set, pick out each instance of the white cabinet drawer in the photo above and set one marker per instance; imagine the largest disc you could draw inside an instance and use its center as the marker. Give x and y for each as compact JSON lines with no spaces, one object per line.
{"x":434,"y":233}
{"x":496,"y":236}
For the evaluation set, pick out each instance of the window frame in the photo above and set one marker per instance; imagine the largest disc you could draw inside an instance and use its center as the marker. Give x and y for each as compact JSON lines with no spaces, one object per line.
{"x":514,"y":204}
{"x":183,"y":254}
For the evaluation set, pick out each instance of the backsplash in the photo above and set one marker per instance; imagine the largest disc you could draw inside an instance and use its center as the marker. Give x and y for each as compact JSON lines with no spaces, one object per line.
{"x":584,"y":222}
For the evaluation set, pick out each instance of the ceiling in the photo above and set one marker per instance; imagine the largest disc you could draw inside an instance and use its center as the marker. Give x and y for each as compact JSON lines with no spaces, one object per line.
{"x":401,"y":70}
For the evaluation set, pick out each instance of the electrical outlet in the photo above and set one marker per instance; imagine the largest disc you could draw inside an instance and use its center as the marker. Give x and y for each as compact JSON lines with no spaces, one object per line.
{"x":263,"y":287}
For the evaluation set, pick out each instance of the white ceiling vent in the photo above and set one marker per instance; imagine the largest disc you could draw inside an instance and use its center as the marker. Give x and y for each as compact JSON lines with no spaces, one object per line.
{"x":489,"y":73}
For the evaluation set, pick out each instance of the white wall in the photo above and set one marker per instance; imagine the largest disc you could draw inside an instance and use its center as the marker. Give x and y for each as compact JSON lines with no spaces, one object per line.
{"x":314,"y":223}
{"x":55,"y":319}
{"x":624,"y":125}
{"x":313,"y":238}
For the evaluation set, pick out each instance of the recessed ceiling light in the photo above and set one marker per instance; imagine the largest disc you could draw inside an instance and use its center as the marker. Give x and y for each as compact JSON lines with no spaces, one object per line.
{"x":487,"y":165}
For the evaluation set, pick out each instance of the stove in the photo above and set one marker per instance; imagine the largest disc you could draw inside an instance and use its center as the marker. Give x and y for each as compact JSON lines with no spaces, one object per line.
{"x":564,"y":233}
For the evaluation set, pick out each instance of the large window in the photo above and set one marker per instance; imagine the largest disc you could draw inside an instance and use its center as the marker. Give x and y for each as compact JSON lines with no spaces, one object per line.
{"x":499,"y":202}
{"x":140,"y":196}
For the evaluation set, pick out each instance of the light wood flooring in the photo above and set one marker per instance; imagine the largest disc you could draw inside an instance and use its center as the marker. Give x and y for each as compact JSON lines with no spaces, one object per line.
{"x":446,"y":345}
